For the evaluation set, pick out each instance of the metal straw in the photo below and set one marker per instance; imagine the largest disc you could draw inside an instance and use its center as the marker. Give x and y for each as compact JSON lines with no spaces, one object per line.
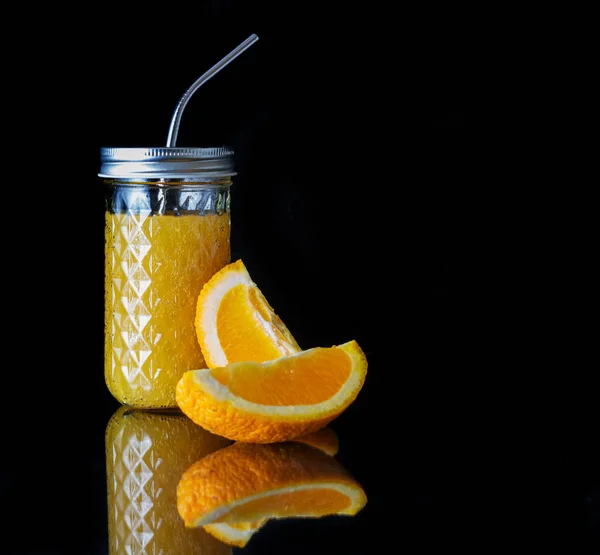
{"x":176,"y":119}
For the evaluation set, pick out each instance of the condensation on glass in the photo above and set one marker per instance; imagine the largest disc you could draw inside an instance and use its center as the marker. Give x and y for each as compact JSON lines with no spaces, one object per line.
{"x":167,"y":219}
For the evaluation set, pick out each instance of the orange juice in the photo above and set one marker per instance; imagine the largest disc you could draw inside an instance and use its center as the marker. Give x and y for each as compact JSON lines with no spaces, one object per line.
{"x":155,"y":267}
{"x":146,"y":454}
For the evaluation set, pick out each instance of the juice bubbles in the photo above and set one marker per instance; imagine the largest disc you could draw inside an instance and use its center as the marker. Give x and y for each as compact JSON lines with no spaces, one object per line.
{"x":146,"y":454}
{"x":167,"y":231}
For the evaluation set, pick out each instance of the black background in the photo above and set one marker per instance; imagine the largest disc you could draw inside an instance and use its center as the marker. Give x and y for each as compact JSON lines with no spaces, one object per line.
{"x":412,"y":180}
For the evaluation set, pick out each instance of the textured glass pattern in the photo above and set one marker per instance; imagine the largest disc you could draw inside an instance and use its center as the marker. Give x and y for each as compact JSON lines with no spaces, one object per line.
{"x":146,"y":453}
{"x":156,"y":264}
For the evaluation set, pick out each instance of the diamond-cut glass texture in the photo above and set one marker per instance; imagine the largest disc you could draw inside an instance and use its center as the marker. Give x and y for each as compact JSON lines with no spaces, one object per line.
{"x":160,"y":250}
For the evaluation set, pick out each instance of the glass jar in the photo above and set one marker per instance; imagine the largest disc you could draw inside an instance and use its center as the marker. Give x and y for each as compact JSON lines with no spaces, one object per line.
{"x":167,"y":232}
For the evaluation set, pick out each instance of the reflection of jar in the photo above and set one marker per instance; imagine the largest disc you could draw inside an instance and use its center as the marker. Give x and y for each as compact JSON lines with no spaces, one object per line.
{"x":146,"y":454}
{"x":167,"y":232}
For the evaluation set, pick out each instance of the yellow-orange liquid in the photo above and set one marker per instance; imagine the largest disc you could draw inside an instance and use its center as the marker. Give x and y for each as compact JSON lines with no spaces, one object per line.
{"x":155,"y":268}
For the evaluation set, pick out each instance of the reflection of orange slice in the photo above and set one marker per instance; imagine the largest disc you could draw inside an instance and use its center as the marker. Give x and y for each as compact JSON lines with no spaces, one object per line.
{"x":239,"y":534}
{"x":276,"y":400}
{"x":247,"y":482}
{"x":324,"y":439}
{"x":235,"y":323}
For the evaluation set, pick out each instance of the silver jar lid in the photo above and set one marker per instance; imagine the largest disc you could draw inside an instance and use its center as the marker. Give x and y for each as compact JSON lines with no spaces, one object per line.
{"x":166,"y":162}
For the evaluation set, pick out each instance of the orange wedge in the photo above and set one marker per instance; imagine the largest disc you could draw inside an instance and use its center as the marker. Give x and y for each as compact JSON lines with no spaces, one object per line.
{"x":246,"y":483}
{"x":235,"y":323}
{"x":277,"y":400}
{"x":239,"y":533}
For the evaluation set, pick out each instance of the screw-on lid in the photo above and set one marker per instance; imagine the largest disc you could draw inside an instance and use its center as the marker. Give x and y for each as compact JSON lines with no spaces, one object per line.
{"x":166,"y":162}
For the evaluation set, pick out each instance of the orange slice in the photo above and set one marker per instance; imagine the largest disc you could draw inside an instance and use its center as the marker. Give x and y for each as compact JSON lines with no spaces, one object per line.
{"x":235,"y":323}
{"x":276,"y":400}
{"x":246,"y":483}
{"x":239,"y":533}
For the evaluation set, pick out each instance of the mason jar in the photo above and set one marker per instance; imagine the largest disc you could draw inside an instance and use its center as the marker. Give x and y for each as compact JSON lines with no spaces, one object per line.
{"x":167,"y":232}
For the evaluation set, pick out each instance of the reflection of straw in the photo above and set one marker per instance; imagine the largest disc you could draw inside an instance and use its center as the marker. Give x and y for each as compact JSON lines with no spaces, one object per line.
{"x":176,"y":119}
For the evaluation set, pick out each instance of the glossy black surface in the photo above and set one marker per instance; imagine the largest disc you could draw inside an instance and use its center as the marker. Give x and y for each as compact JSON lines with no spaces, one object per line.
{"x":410,"y":181}
{"x":440,"y":471}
